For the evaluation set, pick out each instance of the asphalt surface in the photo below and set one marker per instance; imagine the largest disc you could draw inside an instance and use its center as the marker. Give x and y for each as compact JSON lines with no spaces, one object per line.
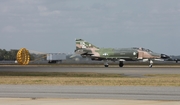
{"x":91,"y":92}
{"x":129,"y":71}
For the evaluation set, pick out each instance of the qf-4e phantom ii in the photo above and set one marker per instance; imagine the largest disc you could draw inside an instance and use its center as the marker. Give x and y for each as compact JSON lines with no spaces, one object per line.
{"x":86,"y":49}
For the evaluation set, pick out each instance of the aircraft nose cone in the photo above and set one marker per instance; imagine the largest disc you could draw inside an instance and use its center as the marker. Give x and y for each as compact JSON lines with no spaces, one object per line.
{"x":164,"y":56}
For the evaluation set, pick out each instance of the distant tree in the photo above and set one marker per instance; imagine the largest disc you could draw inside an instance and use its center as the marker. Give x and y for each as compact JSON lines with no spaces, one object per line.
{"x":11,"y":55}
{"x":8,"y":55}
{"x":1,"y":54}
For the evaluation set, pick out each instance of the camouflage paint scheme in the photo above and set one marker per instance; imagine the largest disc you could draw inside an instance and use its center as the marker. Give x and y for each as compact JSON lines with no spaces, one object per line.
{"x":87,"y":49}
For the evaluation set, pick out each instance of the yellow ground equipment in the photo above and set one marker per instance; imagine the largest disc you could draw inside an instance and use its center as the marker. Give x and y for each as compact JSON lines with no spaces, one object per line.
{"x":23,"y":56}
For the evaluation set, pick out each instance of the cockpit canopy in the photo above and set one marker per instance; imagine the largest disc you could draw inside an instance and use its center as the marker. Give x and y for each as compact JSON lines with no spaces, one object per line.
{"x":142,"y":49}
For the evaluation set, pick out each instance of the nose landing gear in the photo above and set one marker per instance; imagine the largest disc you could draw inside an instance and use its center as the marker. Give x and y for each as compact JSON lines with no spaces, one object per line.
{"x":150,"y":64}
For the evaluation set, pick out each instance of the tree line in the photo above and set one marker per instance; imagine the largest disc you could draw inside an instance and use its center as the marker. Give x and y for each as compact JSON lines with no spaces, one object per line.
{"x":10,"y":55}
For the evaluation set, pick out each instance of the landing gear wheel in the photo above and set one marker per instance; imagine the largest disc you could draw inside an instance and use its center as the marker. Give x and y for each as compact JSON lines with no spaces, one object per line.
{"x":106,"y":65}
{"x":176,"y":61}
{"x":23,"y":56}
{"x":150,"y":66}
{"x":121,"y":64}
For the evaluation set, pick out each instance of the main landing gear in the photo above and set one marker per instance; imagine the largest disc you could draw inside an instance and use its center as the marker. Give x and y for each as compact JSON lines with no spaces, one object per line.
{"x":121,"y":64}
{"x":106,"y":64}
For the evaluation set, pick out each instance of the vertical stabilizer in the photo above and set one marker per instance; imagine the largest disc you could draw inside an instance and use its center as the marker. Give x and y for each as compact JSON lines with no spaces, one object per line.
{"x":80,"y":43}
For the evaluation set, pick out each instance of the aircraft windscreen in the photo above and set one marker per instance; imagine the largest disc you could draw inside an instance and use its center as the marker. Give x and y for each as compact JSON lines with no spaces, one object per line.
{"x":143,"y":49}
{"x":148,"y":50}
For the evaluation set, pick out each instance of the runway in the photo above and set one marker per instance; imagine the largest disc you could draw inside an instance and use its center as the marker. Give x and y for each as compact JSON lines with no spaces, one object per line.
{"x":129,"y":71}
{"x":91,"y":92}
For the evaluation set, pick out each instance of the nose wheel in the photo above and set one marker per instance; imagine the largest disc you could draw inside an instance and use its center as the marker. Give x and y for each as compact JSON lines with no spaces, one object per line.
{"x":150,"y":64}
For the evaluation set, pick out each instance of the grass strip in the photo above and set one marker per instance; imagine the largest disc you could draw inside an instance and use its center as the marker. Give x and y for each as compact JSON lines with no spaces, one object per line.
{"x":97,"y":79}
{"x":90,"y":81}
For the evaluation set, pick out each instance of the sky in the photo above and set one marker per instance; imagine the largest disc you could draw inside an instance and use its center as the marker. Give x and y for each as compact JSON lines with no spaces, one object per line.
{"x":52,"y":26}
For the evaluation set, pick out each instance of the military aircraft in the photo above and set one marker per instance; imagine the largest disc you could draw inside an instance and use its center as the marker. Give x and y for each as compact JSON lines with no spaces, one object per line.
{"x":86,"y":49}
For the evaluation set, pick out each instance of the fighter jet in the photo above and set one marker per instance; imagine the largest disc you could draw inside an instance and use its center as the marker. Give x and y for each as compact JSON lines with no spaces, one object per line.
{"x":86,"y":49}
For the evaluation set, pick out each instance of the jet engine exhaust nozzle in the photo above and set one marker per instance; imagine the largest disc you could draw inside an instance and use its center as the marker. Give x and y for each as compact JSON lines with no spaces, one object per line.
{"x":164,"y":56}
